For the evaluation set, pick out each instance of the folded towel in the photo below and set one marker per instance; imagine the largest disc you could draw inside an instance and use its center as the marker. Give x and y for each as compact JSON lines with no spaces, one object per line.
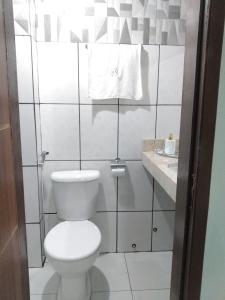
{"x":114,"y":71}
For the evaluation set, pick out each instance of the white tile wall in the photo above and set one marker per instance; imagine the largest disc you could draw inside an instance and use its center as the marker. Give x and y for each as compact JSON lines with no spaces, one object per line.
{"x":28,"y":135}
{"x":107,"y":196}
{"x":135,"y":189}
{"x":135,"y":124}
{"x":38,"y":131}
{"x":34,"y":245}
{"x":134,"y":228}
{"x":51,"y":220}
{"x":107,"y":225}
{"x":162,"y":239}
{"x":98,"y":131}
{"x":171,"y":74}
{"x":49,"y":167}
{"x":31,"y":197}
{"x":58,"y":72}
{"x":79,"y":132}
{"x":24,"y":69}
{"x":168,"y":121}
{"x":60,"y":131}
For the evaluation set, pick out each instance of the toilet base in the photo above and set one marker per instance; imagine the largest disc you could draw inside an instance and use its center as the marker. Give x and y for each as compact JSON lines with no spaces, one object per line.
{"x":77,"y":288}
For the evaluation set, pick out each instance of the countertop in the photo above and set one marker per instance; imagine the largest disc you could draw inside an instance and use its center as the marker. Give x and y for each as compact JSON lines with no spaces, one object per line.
{"x":163,"y":170}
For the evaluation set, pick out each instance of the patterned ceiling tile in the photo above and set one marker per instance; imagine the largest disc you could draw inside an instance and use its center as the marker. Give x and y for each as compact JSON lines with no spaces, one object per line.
{"x":168,"y":9}
{"x":138,"y":8}
{"x":152,"y":31}
{"x":125,"y":8}
{"x":102,"y":21}
{"x":170,"y":32}
{"x":125,"y":30}
{"x":137,"y":31}
{"x":113,"y":8}
{"x":101,"y":9}
{"x":88,"y":29}
{"x":150,"y":9}
{"x":101,"y":29}
{"x":113,"y":30}
{"x":183,"y":13}
{"x":21,"y":17}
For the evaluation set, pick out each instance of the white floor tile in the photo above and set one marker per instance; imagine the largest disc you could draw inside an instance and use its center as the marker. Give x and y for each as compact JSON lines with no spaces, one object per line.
{"x":43,"y":297}
{"x":43,"y":280}
{"x":149,"y":270}
{"x":152,"y":295}
{"x":111,"y":296}
{"x":110,"y":273}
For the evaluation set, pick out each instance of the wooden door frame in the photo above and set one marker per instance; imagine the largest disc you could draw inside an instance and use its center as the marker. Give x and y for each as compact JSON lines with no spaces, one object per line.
{"x":16,"y":141}
{"x":205,"y":26}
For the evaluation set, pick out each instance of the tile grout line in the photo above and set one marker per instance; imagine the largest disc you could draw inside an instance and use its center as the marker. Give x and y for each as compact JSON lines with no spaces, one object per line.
{"x":79,"y":108}
{"x":128,"y":276}
{"x":117,"y":179}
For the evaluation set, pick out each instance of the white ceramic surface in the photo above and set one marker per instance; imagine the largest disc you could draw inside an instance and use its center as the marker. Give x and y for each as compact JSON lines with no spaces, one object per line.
{"x":75,"y":200}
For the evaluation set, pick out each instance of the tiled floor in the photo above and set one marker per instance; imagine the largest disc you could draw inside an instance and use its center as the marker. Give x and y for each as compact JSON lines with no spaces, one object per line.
{"x":115,"y":276}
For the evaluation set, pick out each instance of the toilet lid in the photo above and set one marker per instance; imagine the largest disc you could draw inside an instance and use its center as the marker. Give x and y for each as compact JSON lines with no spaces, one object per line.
{"x":72,"y":240}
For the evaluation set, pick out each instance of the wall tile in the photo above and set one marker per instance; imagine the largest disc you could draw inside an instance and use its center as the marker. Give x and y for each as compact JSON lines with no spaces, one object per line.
{"x":98,"y":131}
{"x":134,"y":228}
{"x":38,"y":130}
{"x":58,"y":78}
{"x":135,"y":124}
{"x":60,"y":131}
{"x":49,"y":167}
{"x":34,"y":245}
{"x":31,"y":197}
{"x":171,"y":74}
{"x":28,"y":135}
{"x":168,"y":121}
{"x":162,"y":200}
{"x":24,"y":69}
{"x":21,"y":17}
{"x":149,"y":63}
{"x":164,"y":222}
{"x":106,"y":222}
{"x":135,"y":190}
{"x":83,"y":79}
{"x":107,"y":196}
{"x":51,"y":220}
{"x":170,"y":31}
{"x":35,"y":71}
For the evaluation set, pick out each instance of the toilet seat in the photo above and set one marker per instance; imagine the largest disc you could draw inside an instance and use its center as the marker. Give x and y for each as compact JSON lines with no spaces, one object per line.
{"x":72,"y":240}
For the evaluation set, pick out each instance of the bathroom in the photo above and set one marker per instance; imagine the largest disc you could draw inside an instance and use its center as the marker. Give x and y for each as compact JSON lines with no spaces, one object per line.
{"x":80,"y":129}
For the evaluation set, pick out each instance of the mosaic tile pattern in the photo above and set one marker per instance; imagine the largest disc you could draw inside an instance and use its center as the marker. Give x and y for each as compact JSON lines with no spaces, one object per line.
{"x":104,"y":21}
{"x":21,"y":17}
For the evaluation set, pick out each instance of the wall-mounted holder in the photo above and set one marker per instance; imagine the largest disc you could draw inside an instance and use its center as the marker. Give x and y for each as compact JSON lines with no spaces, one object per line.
{"x":43,"y":158}
{"x":118,"y":167}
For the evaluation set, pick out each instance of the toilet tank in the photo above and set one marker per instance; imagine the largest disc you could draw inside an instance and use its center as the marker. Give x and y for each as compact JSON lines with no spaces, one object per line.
{"x":75,"y":194}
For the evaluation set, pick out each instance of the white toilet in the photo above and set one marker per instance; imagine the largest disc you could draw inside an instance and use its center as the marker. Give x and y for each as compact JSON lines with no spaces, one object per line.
{"x":73,"y":245}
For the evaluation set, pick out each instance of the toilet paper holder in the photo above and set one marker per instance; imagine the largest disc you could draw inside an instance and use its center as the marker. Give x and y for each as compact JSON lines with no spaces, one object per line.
{"x":118,"y":167}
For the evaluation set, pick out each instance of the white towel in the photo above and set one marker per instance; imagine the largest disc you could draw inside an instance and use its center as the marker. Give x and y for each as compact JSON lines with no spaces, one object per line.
{"x":114,"y":71}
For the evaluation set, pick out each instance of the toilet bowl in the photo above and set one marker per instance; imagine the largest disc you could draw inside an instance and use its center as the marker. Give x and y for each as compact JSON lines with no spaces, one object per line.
{"x":72,"y":248}
{"x":73,"y":245}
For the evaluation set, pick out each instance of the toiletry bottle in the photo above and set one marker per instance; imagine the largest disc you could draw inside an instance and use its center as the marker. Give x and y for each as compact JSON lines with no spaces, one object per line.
{"x":170,"y":145}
